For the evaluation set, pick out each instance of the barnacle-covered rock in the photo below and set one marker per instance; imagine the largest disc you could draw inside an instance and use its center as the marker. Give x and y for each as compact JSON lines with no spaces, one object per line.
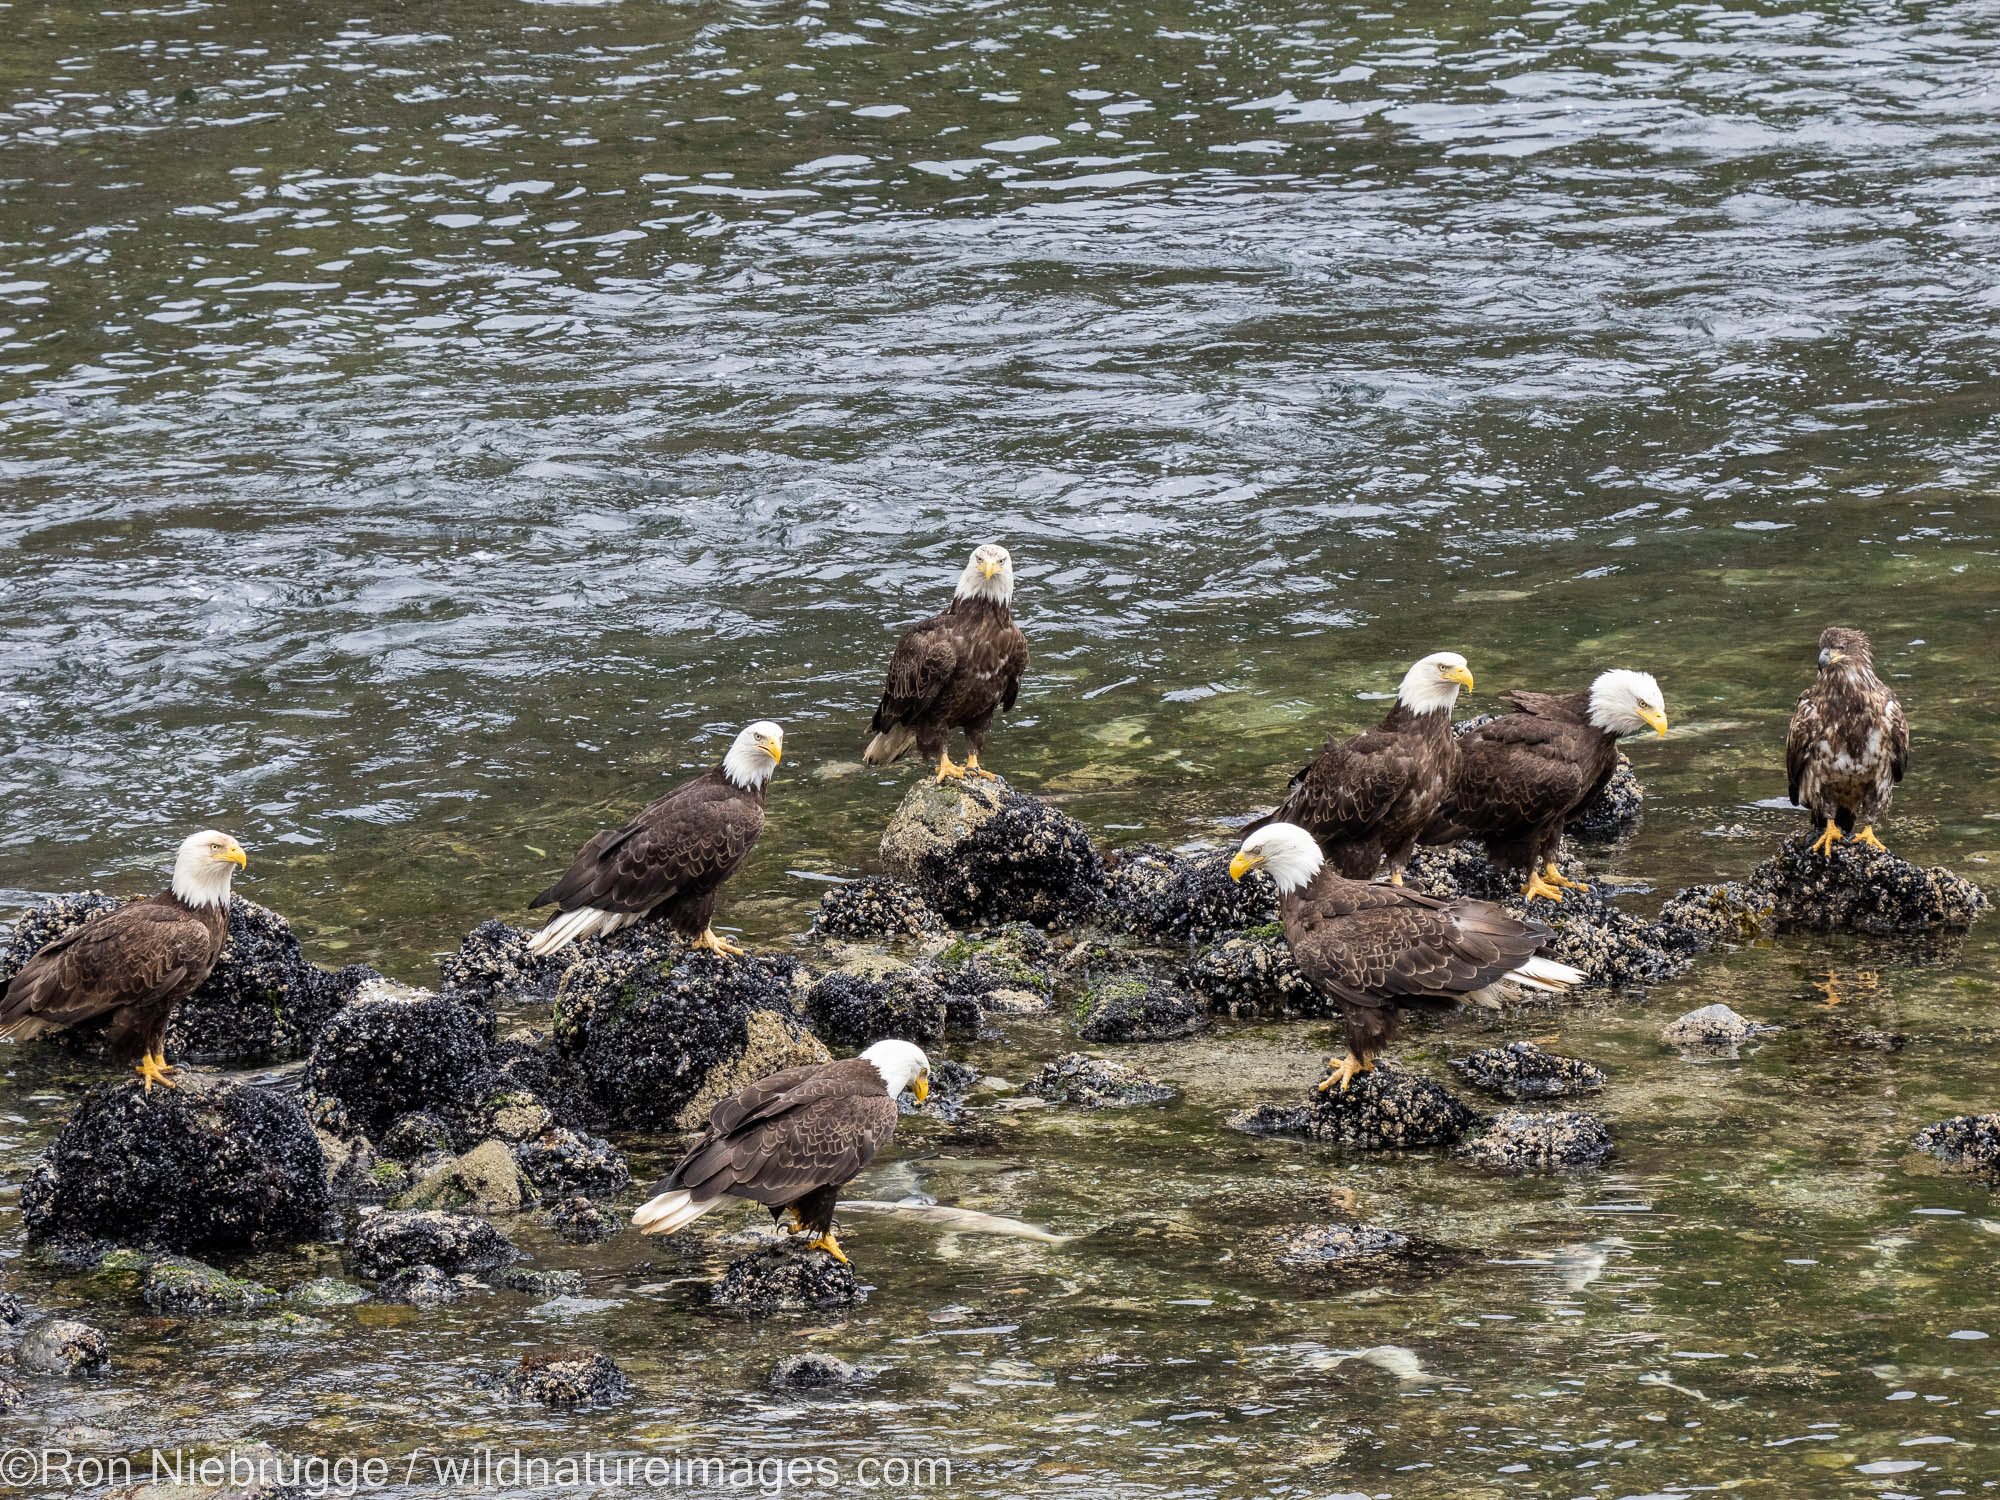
{"x":1078,"y":1078}
{"x":982,"y":853}
{"x":1539,"y":1141}
{"x":562,"y":1163}
{"x":493,"y":965}
{"x":533,"y":1281}
{"x":394,"y":1053}
{"x":1614,"y":812}
{"x":846,"y":1010}
{"x":582,"y":1222}
{"x":1858,"y":889}
{"x":1007,"y":971}
{"x":486,"y":1179}
{"x":1713,"y":1028}
{"x":1159,"y":893}
{"x":1140,"y":1008}
{"x":388,"y":1242}
{"x":1521,"y":1070}
{"x":426,"y":1286}
{"x":64,"y":1347}
{"x":875,"y":908}
{"x":814,"y":1372}
{"x":565,"y":1379}
{"x":189,"y":1288}
{"x":1383,"y":1108}
{"x":1254,"y":975}
{"x":786,"y":1279}
{"x":1968,"y":1143}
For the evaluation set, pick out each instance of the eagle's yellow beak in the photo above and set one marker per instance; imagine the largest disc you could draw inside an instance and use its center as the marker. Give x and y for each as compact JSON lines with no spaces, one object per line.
{"x":776,"y":750}
{"x":1243,"y":864}
{"x":234,"y":855}
{"x":1655,"y":719}
{"x":1460,"y":675}
{"x":988,"y":567}
{"x":921,"y":1088}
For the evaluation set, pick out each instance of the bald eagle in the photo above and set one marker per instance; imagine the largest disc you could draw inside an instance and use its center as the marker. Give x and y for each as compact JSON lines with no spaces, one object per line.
{"x":1520,"y":776}
{"x":792,"y":1141}
{"x":134,"y":964}
{"x":1377,"y":949}
{"x":669,"y":861}
{"x":954,"y":671}
{"x":1849,"y":744}
{"x":1369,"y":799}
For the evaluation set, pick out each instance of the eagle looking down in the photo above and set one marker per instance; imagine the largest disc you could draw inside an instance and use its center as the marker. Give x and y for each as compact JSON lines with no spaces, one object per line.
{"x":1849,"y":744}
{"x":954,"y":671}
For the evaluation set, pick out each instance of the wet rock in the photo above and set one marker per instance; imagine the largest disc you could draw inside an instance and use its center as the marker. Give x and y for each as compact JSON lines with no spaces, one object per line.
{"x":1350,"y":1251}
{"x":1530,"y":1141}
{"x":10,"y":1396}
{"x":1448,"y":871}
{"x":517,"y":1116}
{"x":1614,"y":813}
{"x":58,"y":1346}
{"x":874,"y":908}
{"x":1380,"y":1109}
{"x":785,"y":1279}
{"x":290,"y":1325}
{"x":982,"y":853}
{"x":814,"y":1372}
{"x":1840,"y":1031}
{"x":426,"y":1286}
{"x":661,"y":1042}
{"x":1254,"y":976}
{"x":485,"y":1179}
{"x":566,"y":1379}
{"x":562,"y":1163}
{"x":265,"y":1001}
{"x":1712,"y":1028}
{"x":544,"y":1284}
{"x":1007,"y":972}
{"x":11,"y":1310}
{"x":1968,"y":1143}
{"x":415,"y":1137}
{"x":1858,"y":889}
{"x":1157,"y":893}
{"x":205,"y":1167}
{"x":1140,"y":1009}
{"x":849,"y":1011}
{"x":493,"y":965}
{"x":190,"y":1289}
{"x":385,"y":1243}
{"x":581,"y":1221}
{"x":357,"y":1175}
{"x":394,"y":1053}
{"x":1521,"y":1070}
{"x":1078,"y":1078}
{"x":326,"y":1291}
{"x":1701,"y":916}
{"x":531,"y":1074}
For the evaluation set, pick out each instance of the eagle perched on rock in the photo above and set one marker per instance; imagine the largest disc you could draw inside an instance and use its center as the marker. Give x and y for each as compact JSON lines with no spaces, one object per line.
{"x":1369,"y":799}
{"x":134,"y":964}
{"x":669,"y":861}
{"x":954,"y":671}
{"x":1378,"y":949}
{"x":792,"y":1141}
{"x":1849,"y":744}
{"x":1521,"y":775}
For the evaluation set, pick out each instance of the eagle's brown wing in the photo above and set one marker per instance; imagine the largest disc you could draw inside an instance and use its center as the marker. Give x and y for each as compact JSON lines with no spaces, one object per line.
{"x":789,"y":1134}
{"x":1808,"y":726}
{"x":1350,"y":788}
{"x":1373,"y":945}
{"x":1899,"y":734}
{"x":142,"y":958}
{"x":926,"y":660}
{"x":1014,"y":664}
{"x":1518,"y":771}
{"x":690,"y":839}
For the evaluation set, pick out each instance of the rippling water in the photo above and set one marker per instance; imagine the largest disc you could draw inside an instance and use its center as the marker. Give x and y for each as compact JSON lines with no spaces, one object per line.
{"x":423,"y":432}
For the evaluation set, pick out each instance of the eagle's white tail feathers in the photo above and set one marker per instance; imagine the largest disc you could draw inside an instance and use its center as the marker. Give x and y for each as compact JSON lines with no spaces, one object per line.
{"x":586,"y":921}
{"x":670,"y":1211}
{"x":1547,"y":975}
{"x":890,"y":744}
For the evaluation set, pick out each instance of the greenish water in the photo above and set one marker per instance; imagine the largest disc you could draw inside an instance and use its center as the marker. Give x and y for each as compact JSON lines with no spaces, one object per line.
{"x":423,"y":435}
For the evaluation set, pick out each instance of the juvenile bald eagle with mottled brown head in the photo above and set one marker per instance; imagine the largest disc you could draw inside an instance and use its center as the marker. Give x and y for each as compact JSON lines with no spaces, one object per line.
{"x":1849,"y":743}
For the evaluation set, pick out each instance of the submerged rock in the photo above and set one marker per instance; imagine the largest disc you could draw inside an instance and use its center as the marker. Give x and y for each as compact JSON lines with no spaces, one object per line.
{"x":426,"y":1286}
{"x":11,"y":1396}
{"x":486,"y":1179}
{"x":1840,"y":1031}
{"x":1078,"y":1078}
{"x":396,"y":1240}
{"x":1136,"y":1008}
{"x":848,"y":1011}
{"x":566,"y":1379}
{"x":1713,"y":1027}
{"x":397,"y":1053}
{"x":326,"y":1291}
{"x":191,"y":1289}
{"x":1969,"y":1143}
{"x":562,"y":1163}
{"x":1186,"y":898}
{"x":1540,"y":1141}
{"x":814,"y":1372}
{"x":581,"y":1221}
{"x":1614,"y":812}
{"x":205,"y":1167}
{"x":982,"y":853}
{"x":1521,"y":1070}
{"x":1380,"y":1109}
{"x":61,"y":1347}
{"x":538,"y":1283}
{"x":1254,"y":976}
{"x":1346,"y":1251}
{"x":785,"y":1279}
{"x":875,"y":908}
{"x":11,"y":1310}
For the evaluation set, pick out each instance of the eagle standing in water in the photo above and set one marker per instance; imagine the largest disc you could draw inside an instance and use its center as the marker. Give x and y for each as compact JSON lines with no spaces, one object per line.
{"x":1377,"y":949}
{"x":1369,"y":799}
{"x":1520,"y":776}
{"x":1849,"y":744}
{"x":669,"y":861}
{"x":954,"y":671}
{"x":134,"y":964}
{"x":792,"y":1141}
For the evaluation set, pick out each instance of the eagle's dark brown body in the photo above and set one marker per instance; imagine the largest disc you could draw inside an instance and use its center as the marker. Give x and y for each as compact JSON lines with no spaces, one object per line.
{"x":953,"y":671}
{"x":131,"y":966}
{"x":1519,"y":777}
{"x":1849,"y":743}
{"x":1369,"y":799}
{"x":669,"y":861}
{"x":792,"y":1140}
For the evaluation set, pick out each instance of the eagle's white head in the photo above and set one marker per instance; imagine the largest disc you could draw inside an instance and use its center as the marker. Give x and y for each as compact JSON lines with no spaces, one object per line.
{"x":902,"y":1066}
{"x":1623,"y":702}
{"x":990,"y":575}
{"x":204,"y":865}
{"x":755,"y":755}
{"x":1284,"y":851}
{"x":1432,"y":685}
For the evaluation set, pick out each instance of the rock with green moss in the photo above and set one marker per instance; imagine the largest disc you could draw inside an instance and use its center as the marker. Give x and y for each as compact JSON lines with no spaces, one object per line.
{"x":485,"y":1179}
{"x":326,"y":1291}
{"x":1010,"y":970}
{"x":194,"y":1290}
{"x":1140,"y":1008}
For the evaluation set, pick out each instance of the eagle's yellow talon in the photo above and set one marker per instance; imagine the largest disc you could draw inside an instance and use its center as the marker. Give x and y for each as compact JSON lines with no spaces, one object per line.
{"x":830,"y":1245}
{"x":1537,"y":886}
{"x":1825,"y":842}
{"x":713,"y":942}
{"x":1556,"y":877}
{"x":973,"y":768}
{"x":949,"y":770}
{"x":1344,"y":1071}
{"x":1867,"y":836}
{"x":1395,"y":877}
{"x":154,"y":1069}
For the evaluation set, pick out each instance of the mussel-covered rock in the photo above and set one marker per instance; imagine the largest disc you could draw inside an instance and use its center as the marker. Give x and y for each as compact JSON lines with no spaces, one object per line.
{"x":11,"y":1309}
{"x":562,"y":1163}
{"x":426,"y":1286}
{"x":849,"y":1011}
{"x":1858,"y":889}
{"x":1159,"y":893}
{"x":1383,"y":1108}
{"x":786,"y":1279}
{"x":189,"y":1288}
{"x":533,"y":1281}
{"x":1254,"y":975}
{"x":1521,"y":1070}
{"x":1345,"y":1251}
{"x":1140,"y":1008}
{"x":875,"y":908}
{"x":582,"y":1222}
{"x":11,"y":1396}
{"x":982,"y":853}
{"x":814,"y":1372}
{"x":205,"y":1167}
{"x":394,"y":1053}
{"x":1969,"y":1143}
{"x":565,"y":1379}
{"x":1009,"y":972}
{"x":386,"y":1243}
{"x":1714,"y":1028}
{"x":1078,"y":1078}
{"x":65,"y":1348}
{"x":1613,"y":812}
{"x":486,"y":1179}
{"x":414,"y":1137}
{"x":1448,"y":871}
{"x":493,"y":964}
{"x":1539,"y":1141}
{"x":326,"y":1291}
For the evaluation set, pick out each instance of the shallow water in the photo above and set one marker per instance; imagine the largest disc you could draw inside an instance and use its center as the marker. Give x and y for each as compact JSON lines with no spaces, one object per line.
{"x":424,"y":434}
